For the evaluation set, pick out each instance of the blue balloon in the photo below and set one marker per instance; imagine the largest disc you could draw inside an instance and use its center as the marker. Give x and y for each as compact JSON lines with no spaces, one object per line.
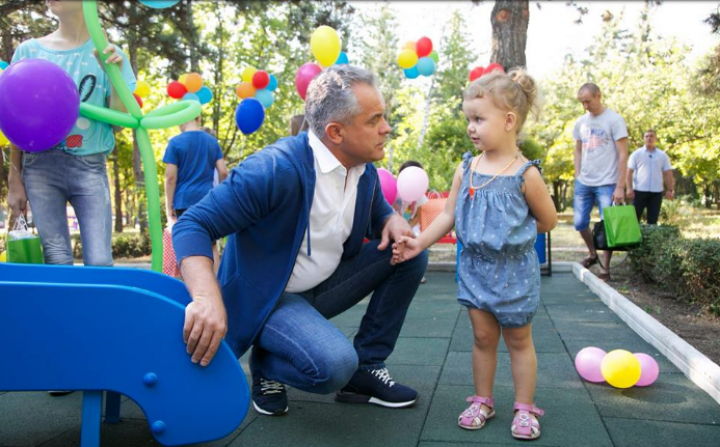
{"x":205,"y":95}
{"x":3,"y":65}
{"x":265,"y":97}
{"x":273,"y":84}
{"x":342,"y":59}
{"x":190,"y":97}
{"x":426,"y":66}
{"x":159,"y":4}
{"x":249,"y":115}
{"x":412,"y":72}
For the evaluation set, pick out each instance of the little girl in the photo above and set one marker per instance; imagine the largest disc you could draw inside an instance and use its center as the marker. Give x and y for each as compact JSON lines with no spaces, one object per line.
{"x":498,"y":203}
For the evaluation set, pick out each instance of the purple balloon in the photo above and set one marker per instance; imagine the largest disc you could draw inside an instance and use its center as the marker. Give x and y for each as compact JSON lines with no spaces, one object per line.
{"x":387,"y":184}
{"x":649,"y":369}
{"x":39,"y":104}
{"x":587,"y":363}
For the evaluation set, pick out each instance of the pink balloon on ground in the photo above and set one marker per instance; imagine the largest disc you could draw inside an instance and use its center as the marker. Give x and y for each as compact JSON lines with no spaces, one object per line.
{"x":587,"y":363}
{"x":304,"y":75}
{"x":649,"y":369}
{"x":388,"y":184}
{"x":412,"y":183}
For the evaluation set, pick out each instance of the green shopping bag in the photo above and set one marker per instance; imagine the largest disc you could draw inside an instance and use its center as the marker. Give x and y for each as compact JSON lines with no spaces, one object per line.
{"x":621,"y":226}
{"x":23,"y":247}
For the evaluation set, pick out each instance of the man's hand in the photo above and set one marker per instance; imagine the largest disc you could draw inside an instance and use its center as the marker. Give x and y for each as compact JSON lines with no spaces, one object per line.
{"x":619,"y":195}
{"x":669,"y":194}
{"x":630,"y":194}
{"x":205,"y":327}
{"x":395,"y":228}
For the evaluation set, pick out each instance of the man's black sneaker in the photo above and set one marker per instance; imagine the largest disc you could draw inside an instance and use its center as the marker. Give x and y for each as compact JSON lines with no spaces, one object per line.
{"x":269,"y":397}
{"x":376,"y":387}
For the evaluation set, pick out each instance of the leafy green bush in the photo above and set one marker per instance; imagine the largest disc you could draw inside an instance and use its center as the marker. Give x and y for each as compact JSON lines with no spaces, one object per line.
{"x":644,"y":258}
{"x":123,"y":246}
{"x":687,"y":268}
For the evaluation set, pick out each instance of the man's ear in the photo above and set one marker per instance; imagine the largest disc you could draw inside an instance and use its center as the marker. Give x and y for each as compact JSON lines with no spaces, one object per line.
{"x":335,"y":132}
{"x":510,"y":121}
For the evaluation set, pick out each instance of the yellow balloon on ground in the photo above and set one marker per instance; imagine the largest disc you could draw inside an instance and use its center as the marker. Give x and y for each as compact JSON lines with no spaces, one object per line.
{"x":620,"y":368}
{"x":409,"y":45}
{"x":142,"y":89}
{"x":3,"y":257}
{"x":245,"y":90}
{"x":407,"y":59}
{"x":182,"y":79}
{"x":193,"y":82}
{"x":325,"y":45}
{"x":3,"y":140}
{"x":248,"y":73}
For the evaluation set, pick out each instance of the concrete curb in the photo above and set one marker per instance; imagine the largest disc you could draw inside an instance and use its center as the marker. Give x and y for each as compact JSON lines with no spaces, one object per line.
{"x":696,"y":366}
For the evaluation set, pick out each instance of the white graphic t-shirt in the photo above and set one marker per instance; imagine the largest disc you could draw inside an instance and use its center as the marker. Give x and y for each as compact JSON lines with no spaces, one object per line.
{"x":599,"y":162}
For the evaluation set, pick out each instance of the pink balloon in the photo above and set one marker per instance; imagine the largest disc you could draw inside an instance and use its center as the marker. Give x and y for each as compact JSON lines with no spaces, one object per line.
{"x":412,"y":183}
{"x":587,"y":363}
{"x":304,"y":75}
{"x":388,"y":185}
{"x":649,"y":369}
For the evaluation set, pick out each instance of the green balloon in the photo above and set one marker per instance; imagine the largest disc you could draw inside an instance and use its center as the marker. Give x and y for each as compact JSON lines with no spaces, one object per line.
{"x":434,"y":56}
{"x":168,"y":116}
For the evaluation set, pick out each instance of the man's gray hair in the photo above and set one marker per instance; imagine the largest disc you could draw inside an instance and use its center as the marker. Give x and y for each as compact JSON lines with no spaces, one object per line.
{"x":330,"y":97}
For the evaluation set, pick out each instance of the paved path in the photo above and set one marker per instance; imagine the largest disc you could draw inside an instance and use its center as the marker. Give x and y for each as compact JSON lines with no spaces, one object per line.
{"x":433,"y":355}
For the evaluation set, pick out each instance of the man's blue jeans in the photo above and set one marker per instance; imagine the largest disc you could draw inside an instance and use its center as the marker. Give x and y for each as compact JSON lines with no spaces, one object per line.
{"x":299,"y":347}
{"x":53,"y":178}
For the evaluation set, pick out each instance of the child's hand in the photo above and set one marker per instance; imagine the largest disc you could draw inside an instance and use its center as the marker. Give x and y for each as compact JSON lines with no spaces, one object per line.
{"x":405,"y":249}
{"x":114,"y":57}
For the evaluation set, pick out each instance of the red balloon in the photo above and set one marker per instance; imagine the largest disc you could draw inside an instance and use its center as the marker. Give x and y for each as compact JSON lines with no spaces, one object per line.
{"x":260,"y":79}
{"x":494,"y":66}
{"x":139,"y":101}
{"x":304,"y":75}
{"x":176,"y":90}
{"x":423,"y":47}
{"x":476,"y":73}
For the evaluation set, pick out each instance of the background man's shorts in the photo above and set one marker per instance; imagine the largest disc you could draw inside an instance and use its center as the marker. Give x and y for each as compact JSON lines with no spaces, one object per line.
{"x":585,"y":198}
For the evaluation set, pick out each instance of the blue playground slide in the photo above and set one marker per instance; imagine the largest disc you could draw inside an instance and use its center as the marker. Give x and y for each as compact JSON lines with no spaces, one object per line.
{"x":95,"y":329}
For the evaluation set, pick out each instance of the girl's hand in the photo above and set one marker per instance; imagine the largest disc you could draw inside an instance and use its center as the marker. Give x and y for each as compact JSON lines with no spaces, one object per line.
{"x":114,"y":57}
{"x":405,"y":249}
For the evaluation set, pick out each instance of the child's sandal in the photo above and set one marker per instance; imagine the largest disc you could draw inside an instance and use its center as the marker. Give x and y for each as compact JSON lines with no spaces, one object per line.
{"x":524,"y":425}
{"x":474,"y":417}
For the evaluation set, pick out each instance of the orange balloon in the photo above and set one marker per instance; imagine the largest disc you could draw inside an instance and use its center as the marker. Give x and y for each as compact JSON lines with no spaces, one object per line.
{"x":245,"y":90}
{"x":409,"y":45}
{"x":193,"y":82}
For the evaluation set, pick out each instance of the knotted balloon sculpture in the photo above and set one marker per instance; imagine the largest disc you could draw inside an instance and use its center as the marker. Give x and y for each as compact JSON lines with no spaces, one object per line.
{"x":169,"y":116}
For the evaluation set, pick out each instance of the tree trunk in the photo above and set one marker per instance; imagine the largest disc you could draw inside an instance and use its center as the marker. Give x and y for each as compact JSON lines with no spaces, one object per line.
{"x":193,"y":39}
{"x":118,"y":194}
{"x":509,"y":20}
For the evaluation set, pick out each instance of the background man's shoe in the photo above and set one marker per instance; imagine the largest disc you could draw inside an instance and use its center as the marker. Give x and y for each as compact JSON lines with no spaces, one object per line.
{"x":378,"y":388}
{"x":269,"y":397}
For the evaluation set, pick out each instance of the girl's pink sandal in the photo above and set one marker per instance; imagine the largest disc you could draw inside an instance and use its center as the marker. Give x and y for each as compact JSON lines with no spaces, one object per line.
{"x":474,"y":417}
{"x":524,"y":426}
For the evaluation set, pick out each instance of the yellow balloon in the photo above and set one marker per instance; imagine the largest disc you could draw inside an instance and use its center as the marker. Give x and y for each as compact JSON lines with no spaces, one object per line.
{"x":3,"y":140}
{"x":325,"y":45}
{"x":407,"y":58}
{"x":409,"y":45}
{"x":248,"y":73}
{"x":142,"y":89}
{"x":3,"y":257}
{"x":620,"y":368}
{"x":182,"y":79}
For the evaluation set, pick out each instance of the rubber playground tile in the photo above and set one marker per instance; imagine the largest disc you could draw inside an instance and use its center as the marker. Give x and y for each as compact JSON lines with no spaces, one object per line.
{"x":419,"y":351}
{"x":545,"y":337}
{"x":554,"y":371}
{"x":640,"y":433}
{"x":428,"y":327}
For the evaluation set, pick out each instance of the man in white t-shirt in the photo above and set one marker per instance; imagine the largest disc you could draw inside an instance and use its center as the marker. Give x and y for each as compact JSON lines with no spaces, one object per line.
{"x":647,"y":167}
{"x":601,"y":154}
